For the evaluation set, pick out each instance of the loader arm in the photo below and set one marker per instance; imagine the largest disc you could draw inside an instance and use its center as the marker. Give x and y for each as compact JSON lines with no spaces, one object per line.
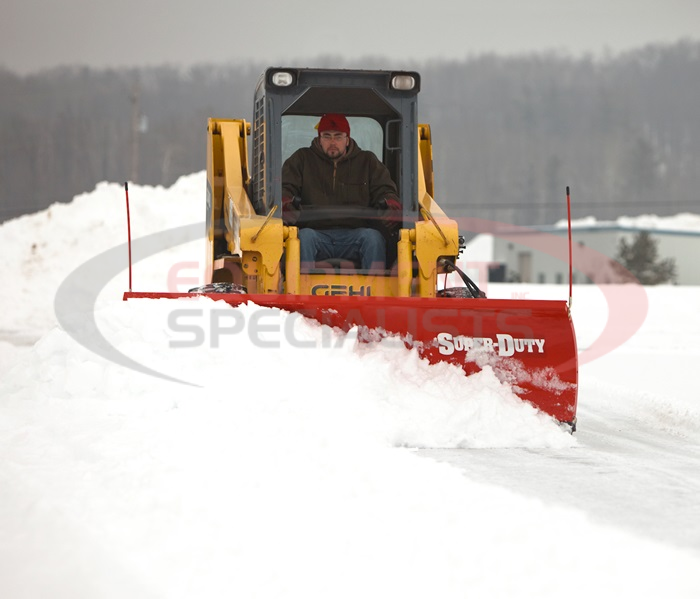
{"x":250,"y":245}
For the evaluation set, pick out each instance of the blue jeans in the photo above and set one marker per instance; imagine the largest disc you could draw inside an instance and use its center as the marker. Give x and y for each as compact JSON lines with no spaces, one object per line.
{"x":364,"y":245}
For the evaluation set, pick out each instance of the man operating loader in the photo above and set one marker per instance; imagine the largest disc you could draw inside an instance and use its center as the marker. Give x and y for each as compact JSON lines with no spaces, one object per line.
{"x":341,"y":197}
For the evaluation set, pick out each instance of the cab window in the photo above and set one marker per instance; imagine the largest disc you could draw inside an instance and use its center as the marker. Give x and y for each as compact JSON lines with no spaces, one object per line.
{"x":298,"y":131}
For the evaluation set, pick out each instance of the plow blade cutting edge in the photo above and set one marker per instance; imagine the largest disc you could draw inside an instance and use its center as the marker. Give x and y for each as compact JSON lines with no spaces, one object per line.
{"x":529,"y":344}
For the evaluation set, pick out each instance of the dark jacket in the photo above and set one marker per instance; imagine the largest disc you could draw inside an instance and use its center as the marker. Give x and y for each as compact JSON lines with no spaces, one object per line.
{"x":343,"y":195}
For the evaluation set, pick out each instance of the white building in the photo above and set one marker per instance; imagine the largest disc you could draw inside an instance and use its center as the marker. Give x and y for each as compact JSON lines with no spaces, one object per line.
{"x":541,"y":255}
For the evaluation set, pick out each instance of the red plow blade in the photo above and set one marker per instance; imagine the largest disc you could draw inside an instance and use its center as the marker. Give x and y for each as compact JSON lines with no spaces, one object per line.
{"x":530,"y":344}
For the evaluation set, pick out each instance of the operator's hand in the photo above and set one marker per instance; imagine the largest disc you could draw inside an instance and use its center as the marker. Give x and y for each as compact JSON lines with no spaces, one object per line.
{"x":291,"y":210}
{"x":392,"y":214}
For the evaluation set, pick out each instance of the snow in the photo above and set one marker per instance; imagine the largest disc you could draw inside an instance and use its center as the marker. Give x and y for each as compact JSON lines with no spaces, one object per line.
{"x":684,"y":221}
{"x":147,"y":451}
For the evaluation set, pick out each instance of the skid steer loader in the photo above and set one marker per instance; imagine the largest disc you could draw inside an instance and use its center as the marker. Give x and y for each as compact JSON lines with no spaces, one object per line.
{"x":252,"y":256}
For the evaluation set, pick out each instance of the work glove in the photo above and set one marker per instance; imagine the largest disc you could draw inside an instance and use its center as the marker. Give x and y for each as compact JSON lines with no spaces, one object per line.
{"x":291,"y":210}
{"x":392,"y":214}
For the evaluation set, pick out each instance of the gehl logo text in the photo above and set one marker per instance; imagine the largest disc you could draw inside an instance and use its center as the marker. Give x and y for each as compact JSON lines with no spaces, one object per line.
{"x":341,"y":290}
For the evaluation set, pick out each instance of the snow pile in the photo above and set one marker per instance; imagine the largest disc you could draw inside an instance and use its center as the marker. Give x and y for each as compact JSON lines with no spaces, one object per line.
{"x":40,"y":250}
{"x":678,"y":222}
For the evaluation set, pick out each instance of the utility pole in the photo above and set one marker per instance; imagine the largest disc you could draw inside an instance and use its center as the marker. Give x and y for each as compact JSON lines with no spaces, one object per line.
{"x":135,"y":128}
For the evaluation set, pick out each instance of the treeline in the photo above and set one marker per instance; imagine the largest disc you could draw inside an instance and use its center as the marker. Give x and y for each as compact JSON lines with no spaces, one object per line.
{"x":622,"y":133}
{"x":509,"y":133}
{"x":63,"y":131}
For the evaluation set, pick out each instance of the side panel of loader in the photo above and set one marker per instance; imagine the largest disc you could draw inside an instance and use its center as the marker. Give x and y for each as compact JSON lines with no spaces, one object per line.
{"x":243,"y":247}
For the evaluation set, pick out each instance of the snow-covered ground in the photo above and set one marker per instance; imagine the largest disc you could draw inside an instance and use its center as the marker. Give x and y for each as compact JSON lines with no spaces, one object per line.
{"x":283,"y":470}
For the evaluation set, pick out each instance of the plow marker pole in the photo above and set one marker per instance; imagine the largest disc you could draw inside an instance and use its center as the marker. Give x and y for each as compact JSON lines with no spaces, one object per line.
{"x":128,"y":228}
{"x":571,"y":268}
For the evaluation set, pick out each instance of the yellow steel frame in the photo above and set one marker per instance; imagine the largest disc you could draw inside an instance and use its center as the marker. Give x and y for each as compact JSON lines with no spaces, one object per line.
{"x":256,"y":243}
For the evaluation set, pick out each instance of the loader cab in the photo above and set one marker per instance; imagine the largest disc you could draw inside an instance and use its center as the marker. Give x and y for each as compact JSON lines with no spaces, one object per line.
{"x":248,"y":243}
{"x":380,"y":107}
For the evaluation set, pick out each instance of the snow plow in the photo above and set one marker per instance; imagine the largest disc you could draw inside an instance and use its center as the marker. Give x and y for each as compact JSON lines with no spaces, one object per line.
{"x":253,"y":255}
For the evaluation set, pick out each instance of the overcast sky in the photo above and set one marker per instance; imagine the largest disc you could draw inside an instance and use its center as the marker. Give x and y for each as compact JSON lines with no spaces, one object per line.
{"x":39,"y":34}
